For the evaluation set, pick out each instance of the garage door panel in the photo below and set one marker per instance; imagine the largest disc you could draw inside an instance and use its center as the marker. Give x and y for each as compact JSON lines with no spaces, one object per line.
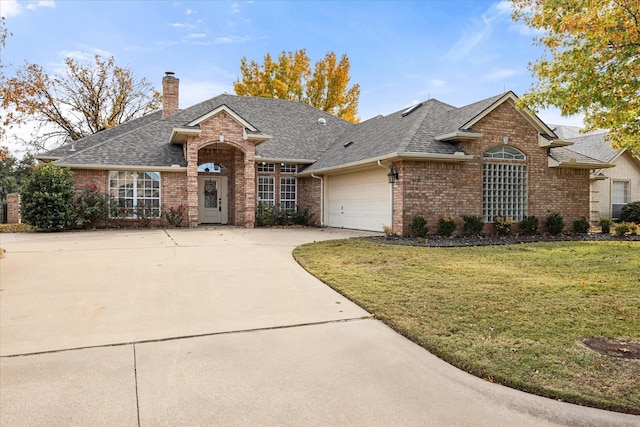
{"x":359,"y":200}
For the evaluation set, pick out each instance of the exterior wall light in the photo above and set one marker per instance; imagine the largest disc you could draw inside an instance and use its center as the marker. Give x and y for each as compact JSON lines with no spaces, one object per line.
{"x":221,"y":136}
{"x":393,"y":174}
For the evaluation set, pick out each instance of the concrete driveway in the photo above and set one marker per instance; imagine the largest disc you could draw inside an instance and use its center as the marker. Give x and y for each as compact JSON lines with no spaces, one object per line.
{"x":219,"y":326}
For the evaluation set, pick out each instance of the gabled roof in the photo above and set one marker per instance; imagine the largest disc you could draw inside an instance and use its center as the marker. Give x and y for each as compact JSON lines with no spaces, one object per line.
{"x":293,"y":127}
{"x":594,"y":144}
{"x":564,"y":157}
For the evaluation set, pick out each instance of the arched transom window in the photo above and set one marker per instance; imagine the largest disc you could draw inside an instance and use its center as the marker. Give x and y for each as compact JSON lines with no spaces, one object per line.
{"x":504,"y":184}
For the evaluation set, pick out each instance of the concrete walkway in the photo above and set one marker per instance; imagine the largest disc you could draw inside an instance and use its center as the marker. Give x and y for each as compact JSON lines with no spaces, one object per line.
{"x":219,"y":326}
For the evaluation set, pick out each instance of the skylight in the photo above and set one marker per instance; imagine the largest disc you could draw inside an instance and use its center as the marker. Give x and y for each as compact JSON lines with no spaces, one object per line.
{"x":411,"y":109}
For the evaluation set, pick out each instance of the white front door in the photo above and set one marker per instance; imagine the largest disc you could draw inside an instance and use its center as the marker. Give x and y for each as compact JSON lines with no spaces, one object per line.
{"x":212,"y":200}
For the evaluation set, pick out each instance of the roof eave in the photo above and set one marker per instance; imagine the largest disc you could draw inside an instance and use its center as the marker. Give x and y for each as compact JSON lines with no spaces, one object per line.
{"x":574,"y":164}
{"x":457,"y":157}
{"x":459,"y":136}
{"x":180,"y":135}
{"x":95,"y":166}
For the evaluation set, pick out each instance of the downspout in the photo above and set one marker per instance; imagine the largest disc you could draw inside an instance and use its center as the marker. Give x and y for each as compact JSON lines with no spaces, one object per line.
{"x":321,"y":198}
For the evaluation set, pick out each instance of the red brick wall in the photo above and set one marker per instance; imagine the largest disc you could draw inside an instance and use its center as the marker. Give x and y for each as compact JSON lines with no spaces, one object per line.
{"x":436,"y":189}
{"x":309,"y":198}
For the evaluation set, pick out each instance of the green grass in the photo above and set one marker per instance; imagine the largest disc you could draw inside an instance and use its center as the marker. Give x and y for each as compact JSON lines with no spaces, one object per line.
{"x":513,"y":314}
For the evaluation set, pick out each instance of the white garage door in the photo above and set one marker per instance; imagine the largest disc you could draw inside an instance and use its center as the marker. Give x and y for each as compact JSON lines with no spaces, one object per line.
{"x":360,"y":200}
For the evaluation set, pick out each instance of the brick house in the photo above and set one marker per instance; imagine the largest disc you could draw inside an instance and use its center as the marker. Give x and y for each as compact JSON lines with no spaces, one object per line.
{"x":612,"y":187}
{"x":223,"y":156}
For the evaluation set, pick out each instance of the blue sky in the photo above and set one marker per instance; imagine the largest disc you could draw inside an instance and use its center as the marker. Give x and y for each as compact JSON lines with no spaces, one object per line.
{"x":401,"y":52}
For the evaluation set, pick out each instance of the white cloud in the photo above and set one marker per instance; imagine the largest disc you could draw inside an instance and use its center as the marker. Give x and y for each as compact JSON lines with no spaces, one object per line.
{"x":196,"y":35}
{"x":189,"y":12}
{"x":41,"y":3}
{"x":235,"y":8}
{"x":438,"y":82}
{"x":500,"y":73}
{"x":479,"y":30}
{"x":232,"y":39}
{"x":10,"y":8}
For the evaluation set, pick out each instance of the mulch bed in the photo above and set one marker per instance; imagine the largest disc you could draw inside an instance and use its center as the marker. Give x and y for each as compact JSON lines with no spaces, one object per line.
{"x":438,"y":241}
{"x":613,"y":348}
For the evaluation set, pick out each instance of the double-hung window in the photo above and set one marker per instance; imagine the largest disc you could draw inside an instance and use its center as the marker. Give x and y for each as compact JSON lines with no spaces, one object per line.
{"x":504,"y":184}
{"x":287,"y":193}
{"x":137,"y":194}
{"x":619,"y":197}
{"x":266,"y":190}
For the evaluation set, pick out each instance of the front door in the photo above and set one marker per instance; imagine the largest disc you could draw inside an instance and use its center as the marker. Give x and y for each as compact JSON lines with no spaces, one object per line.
{"x":212,"y":200}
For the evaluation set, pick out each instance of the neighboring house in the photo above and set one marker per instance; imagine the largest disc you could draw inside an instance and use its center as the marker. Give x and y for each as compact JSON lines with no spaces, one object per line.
{"x":611,"y":188}
{"x":221,"y":157}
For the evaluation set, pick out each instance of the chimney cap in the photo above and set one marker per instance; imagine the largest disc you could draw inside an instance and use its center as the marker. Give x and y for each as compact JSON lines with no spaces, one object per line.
{"x":169,"y":74}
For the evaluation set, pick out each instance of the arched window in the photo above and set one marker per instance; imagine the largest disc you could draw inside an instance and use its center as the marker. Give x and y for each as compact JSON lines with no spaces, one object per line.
{"x":504,"y":152}
{"x":210,"y":167}
{"x":504,"y":184}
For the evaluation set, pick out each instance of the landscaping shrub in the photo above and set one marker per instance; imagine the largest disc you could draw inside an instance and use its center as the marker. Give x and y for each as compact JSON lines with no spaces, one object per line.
{"x":605,"y":224}
{"x":174,"y":215}
{"x":446,"y":226}
{"x":92,"y":206}
{"x":47,"y":198}
{"x":418,"y":227}
{"x":630,"y":212}
{"x":554,"y":223}
{"x":502,"y":225}
{"x":473,"y":225}
{"x":622,"y":228}
{"x":633,"y":227}
{"x":581,"y":225}
{"x":529,"y":224}
{"x":271,"y":215}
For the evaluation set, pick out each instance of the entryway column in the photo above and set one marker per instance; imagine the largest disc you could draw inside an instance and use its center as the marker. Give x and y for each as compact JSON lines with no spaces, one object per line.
{"x":249,"y":189}
{"x":192,"y":182}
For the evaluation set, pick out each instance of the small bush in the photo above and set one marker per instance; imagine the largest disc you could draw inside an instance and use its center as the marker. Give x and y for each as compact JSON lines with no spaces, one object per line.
{"x":446,"y":226}
{"x":418,"y":227}
{"x":630,"y":213}
{"x":473,"y":225}
{"x":271,"y":215}
{"x":529,"y":224}
{"x":622,"y":228}
{"x":175,"y":215}
{"x":605,"y":224}
{"x":47,"y":198}
{"x":388,"y":230}
{"x":633,"y":227}
{"x":554,"y":223}
{"x":502,"y":225}
{"x":92,"y":206}
{"x":581,"y":226}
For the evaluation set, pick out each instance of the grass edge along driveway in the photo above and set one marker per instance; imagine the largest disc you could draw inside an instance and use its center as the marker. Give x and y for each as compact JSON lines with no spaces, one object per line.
{"x":514,"y":314}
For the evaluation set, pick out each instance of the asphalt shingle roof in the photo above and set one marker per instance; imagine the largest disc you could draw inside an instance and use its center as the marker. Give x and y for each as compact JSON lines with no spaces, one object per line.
{"x":293,"y":126}
{"x":294,"y":129}
{"x":594,"y":144}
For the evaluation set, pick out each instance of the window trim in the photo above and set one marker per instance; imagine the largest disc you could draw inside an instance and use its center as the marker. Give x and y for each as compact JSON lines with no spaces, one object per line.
{"x":505,"y":184}
{"x":135,"y":178}
{"x":288,"y":200}
{"x":261,"y":191}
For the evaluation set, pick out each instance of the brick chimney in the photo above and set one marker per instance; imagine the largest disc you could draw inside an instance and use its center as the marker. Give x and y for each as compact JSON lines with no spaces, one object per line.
{"x":170,"y":98}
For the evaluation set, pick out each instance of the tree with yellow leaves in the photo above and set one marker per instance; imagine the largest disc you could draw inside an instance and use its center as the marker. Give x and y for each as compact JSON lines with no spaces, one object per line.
{"x":86,"y":99}
{"x":592,"y":64}
{"x":290,"y":77}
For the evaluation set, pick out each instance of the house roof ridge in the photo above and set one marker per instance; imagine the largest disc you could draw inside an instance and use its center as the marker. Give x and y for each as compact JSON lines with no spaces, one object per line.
{"x":427,"y":106}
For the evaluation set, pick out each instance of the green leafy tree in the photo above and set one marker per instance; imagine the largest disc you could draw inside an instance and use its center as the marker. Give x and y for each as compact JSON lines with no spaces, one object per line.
{"x":592,"y":62}
{"x":290,"y":77}
{"x":13,"y":171}
{"x":47,"y":198}
{"x":84,"y":100}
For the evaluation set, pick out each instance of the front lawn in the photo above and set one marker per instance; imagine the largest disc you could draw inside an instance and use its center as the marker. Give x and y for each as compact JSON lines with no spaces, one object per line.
{"x":514,"y":314}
